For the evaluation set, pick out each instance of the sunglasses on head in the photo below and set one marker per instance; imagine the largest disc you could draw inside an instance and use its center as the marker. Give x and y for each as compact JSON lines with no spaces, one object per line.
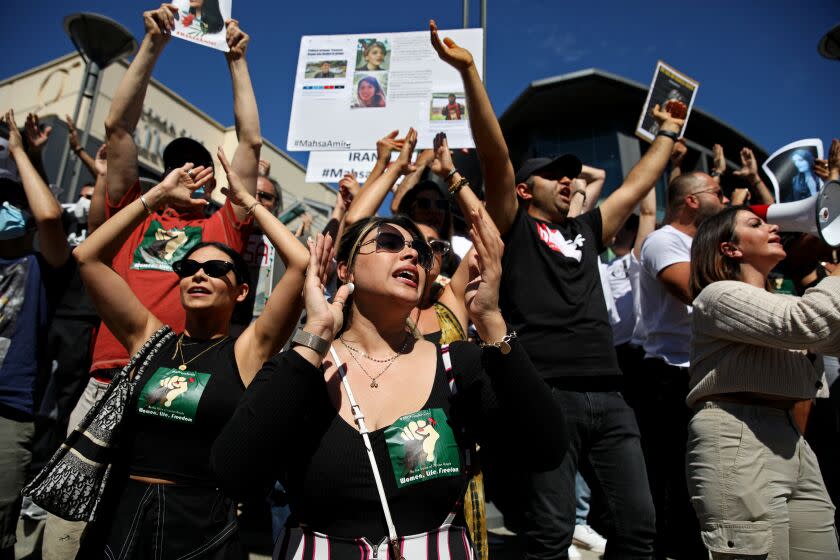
{"x":428,"y":204}
{"x":214,"y":268}
{"x":390,"y":240}
{"x":269,"y":197}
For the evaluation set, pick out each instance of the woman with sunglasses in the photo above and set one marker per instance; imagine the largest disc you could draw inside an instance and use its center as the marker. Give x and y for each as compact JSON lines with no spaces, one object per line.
{"x":396,"y":487}
{"x":754,"y":481}
{"x":193,"y":383}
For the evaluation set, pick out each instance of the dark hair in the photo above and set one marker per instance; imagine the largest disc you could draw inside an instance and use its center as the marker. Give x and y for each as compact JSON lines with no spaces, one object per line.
{"x":244,"y":310}
{"x":378,"y":98}
{"x":407,"y":203}
{"x":804,"y":154}
{"x":277,"y":192}
{"x":708,"y":263}
{"x":211,"y":16}
{"x":372,"y":44}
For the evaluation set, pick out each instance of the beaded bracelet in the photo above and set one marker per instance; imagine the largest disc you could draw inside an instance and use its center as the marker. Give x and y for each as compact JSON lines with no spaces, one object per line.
{"x":456,"y":188}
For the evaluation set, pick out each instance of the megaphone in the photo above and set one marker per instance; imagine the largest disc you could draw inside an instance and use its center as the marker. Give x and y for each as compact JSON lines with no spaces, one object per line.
{"x":817,"y":215}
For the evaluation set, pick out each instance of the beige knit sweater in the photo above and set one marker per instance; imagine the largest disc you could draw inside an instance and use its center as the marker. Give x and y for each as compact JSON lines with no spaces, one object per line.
{"x":746,"y":339}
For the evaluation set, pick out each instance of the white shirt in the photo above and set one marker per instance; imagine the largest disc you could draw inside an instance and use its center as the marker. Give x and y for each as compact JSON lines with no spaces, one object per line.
{"x":639,"y":329}
{"x":618,"y":275}
{"x":603,"y":273}
{"x":668,"y":320}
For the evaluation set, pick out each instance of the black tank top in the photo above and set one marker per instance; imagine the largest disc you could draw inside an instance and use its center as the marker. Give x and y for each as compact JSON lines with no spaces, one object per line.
{"x":174,"y":415}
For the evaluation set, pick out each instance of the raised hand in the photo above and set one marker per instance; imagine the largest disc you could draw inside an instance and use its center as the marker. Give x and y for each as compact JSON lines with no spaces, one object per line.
{"x":160,"y":23}
{"x":403,"y":161}
{"x":264,"y":168}
{"x":678,"y":152}
{"x":388,"y":144}
{"x":101,"y":161}
{"x":749,"y":167}
{"x":72,"y":133}
{"x":235,"y":191}
{"x":718,"y":159}
{"x":666,"y":120}
{"x":177,"y":188}
{"x":821,"y":168}
{"x":834,"y":160}
{"x":15,"y":139}
{"x":36,"y":135}
{"x":323,"y":319}
{"x":458,"y":57}
{"x":482,"y":293}
{"x":442,"y":166}
{"x":237,"y":40}
{"x":740,"y":196}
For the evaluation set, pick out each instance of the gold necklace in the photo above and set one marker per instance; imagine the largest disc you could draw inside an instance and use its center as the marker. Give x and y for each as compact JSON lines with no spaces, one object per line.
{"x":180,"y":351}
{"x":391,"y":360}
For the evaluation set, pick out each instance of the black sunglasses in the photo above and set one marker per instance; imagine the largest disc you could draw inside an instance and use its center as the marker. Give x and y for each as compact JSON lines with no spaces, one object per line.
{"x":439,"y":246}
{"x":391,"y":241}
{"x":214,"y":269}
{"x":428,"y":203}
{"x":266,"y":196}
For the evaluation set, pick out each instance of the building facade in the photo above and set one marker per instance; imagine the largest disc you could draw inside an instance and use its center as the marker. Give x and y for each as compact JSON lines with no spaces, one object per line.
{"x":51,"y":90}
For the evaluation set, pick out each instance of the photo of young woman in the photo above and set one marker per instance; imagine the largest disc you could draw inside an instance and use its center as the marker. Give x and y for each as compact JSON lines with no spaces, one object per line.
{"x":372,"y":55}
{"x":370,"y":90}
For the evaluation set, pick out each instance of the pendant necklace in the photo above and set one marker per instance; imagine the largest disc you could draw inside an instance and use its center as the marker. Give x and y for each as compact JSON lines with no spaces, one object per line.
{"x":388,"y":361}
{"x":179,"y":349}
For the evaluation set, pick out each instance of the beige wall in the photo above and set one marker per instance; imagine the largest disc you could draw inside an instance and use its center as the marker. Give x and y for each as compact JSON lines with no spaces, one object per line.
{"x":53,"y":87}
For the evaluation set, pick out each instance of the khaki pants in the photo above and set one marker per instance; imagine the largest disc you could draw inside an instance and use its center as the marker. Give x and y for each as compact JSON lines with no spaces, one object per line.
{"x":61,"y":537}
{"x":756,"y":485}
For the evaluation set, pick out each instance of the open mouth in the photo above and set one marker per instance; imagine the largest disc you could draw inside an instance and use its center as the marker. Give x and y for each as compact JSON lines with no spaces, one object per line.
{"x":198,"y":290}
{"x":566,"y":192}
{"x":408,"y":276}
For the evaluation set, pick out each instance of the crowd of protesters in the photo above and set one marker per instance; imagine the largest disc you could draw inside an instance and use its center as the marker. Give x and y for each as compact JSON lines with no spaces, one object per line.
{"x":668,"y":386}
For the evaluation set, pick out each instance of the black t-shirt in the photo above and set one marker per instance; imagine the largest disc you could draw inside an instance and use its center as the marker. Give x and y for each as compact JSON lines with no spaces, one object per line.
{"x":286,"y":423}
{"x":551,"y":295}
{"x":174,"y":415}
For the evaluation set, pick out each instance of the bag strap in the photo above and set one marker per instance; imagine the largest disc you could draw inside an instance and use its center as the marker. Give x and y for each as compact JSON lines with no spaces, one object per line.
{"x":360,"y":422}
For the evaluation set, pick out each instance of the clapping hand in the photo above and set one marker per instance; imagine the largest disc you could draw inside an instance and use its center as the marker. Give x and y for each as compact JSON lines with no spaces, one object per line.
{"x":15,"y":139}
{"x":458,"y":57}
{"x":235,"y":191}
{"x":749,"y":167}
{"x":323,"y":319}
{"x":482,"y":293}
{"x":718,"y":159}
{"x":179,"y":185}
{"x":36,"y":135}
{"x":390,"y":143}
{"x":72,"y":133}
{"x":403,"y":161}
{"x":442,"y":166}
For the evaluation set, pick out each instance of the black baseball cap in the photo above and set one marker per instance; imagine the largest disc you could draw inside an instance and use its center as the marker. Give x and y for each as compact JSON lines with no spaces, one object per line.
{"x":185,"y":150}
{"x":566,"y":165}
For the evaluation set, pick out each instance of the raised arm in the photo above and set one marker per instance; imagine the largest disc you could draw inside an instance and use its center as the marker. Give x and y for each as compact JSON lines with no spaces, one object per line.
{"x":127,"y":105}
{"x":115,"y":302}
{"x":96,"y":214}
{"x":410,"y":181}
{"x":76,"y":147}
{"x":370,"y":196}
{"x":496,"y":168}
{"x":384,"y":147}
{"x":647,"y":221}
{"x":44,"y":207}
{"x":37,"y":137}
{"x":642,"y":178}
{"x":246,"y":158}
{"x":718,"y":163}
{"x":267,"y":334}
{"x":749,"y":172}
{"x":594,"y":178}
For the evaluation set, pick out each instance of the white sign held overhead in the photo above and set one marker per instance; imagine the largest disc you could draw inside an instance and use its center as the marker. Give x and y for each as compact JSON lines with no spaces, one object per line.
{"x":791,"y":170}
{"x":202,"y":22}
{"x":350,"y":90}
{"x":330,"y":167}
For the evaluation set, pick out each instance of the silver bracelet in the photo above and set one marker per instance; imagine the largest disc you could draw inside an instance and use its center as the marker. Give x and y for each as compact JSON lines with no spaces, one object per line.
{"x":146,"y":205}
{"x":503,"y":345}
{"x":314,"y":342}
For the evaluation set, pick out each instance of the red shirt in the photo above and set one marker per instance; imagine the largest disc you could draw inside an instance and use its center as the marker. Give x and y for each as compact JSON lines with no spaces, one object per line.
{"x":145,"y":262}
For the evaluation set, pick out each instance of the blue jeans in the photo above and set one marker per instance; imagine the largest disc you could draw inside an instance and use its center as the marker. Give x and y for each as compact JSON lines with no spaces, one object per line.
{"x":602,"y":428}
{"x":582,"y":496}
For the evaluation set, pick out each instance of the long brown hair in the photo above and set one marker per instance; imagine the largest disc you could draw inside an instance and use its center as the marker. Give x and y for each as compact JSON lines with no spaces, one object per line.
{"x":708,"y":263}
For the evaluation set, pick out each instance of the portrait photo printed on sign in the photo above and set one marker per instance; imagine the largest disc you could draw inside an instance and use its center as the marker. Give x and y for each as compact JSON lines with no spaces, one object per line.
{"x":373,"y":55}
{"x":674,"y":92}
{"x":791,"y":170}
{"x":326,"y":69}
{"x":370,"y":90}
{"x":202,"y":22}
{"x":448,"y":106}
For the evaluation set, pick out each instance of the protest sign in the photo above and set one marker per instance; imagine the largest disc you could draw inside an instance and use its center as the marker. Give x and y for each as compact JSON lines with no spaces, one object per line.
{"x":352,"y":89}
{"x":202,"y":22}
{"x":791,"y":170}
{"x":330,"y":167}
{"x":674,"y":92}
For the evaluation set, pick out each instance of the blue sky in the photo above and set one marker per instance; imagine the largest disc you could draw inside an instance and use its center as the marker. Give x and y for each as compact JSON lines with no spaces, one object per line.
{"x":756,"y":62}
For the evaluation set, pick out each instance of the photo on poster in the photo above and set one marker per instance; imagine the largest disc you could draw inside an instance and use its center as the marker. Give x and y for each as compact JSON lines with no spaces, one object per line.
{"x":324,"y":69}
{"x":674,"y":92}
{"x":448,"y":106}
{"x":791,"y":170}
{"x":369,"y":90}
{"x":373,"y":55}
{"x":202,"y":22}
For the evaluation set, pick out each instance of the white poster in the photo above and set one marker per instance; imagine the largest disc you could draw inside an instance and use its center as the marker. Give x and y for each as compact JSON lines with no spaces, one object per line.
{"x":350,"y":90}
{"x":330,"y":167}
{"x":791,"y":170}
{"x":674,"y":92}
{"x":202,"y":22}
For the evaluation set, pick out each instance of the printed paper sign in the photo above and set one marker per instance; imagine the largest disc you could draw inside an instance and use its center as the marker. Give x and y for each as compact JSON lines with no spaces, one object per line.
{"x":791,"y":170}
{"x":173,"y":394}
{"x":669,"y":86}
{"x":330,"y":167}
{"x":161,"y":247}
{"x":422,"y":447}
{"x":202,"y":22}
{"x":350,"y":90}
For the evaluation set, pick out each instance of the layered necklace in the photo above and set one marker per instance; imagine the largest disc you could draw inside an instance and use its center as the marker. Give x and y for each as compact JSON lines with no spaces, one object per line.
{"x":387,"y":361}
{"x":180,"y":351}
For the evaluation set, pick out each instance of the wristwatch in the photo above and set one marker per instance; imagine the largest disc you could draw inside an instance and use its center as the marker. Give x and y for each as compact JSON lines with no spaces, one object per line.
{"x":316,"y":343}
{"x":672,"y":135}
{"x":503,"y":345}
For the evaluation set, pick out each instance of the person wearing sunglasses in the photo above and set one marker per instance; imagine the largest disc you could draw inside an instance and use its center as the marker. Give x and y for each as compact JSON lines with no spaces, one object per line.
{"x":421,"y":406}
{"x":193,"y":383}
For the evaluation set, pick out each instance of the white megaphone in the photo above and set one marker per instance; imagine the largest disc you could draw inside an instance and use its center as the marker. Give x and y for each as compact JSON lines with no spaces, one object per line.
{"x":816,"y":214}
